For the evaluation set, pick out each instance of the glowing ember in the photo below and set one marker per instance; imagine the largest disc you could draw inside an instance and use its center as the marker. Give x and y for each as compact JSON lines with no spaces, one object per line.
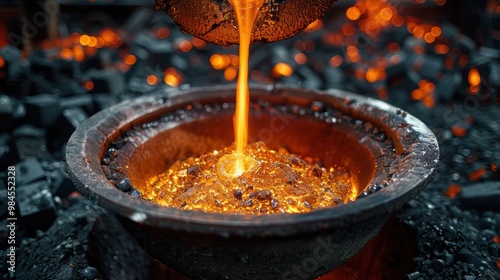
{"x":496,"y":239}
{"x":273,"y":182}
{"x":474,"y":80}
{"x":152,"y":80}
{"x":477,"y":174}
{"x":458,"y":131}
{"x":172,"y":77}
{"x":282,"y":70}
{"x":452,"y":191}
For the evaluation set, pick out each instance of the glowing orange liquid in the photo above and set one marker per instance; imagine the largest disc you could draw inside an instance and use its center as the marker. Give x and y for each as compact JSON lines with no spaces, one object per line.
{"x":246,"y":12}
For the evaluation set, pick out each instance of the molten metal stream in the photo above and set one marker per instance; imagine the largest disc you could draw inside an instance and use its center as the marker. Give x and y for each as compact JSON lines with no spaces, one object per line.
{"x":246,"y":12}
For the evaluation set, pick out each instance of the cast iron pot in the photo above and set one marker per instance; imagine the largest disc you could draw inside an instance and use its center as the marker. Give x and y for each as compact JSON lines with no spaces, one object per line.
{"x":390,"y":154}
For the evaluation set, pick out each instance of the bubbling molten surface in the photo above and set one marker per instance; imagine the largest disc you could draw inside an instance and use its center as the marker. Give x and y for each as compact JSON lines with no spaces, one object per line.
{"x":273,"y":182}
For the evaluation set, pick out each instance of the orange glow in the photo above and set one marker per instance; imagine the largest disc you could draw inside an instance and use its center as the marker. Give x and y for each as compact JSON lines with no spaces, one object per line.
{"x":234,"y":60}
{"x":386,"y":14}
{"x":220,"y":61}
{"x":130,"y":59}
{"x":418,"y":31}
{"x":440,"y":2}
{"x":498,"y":261}
{"x":2,"y":62}
{"x":75,"y":37}
{"x":246,"y":12}
{"x":300,"y":58}
{"x":78,"y":53}
{"x":100,"y":43}
{"x":185,"y":46}
{"x":463,"y":60}
{"x":89,"y":85}
{"x":458,"y":131}
{"x":452,"y":191}
{"x":152,"y":80}
{"x":494,"y":167}
{"x":282,"y":70}
{"x":348,"y":29}
{"x":84,"y":40}
{"x":172,"y":77}
{"x":199,"y":43}
{"x":474,"y":77}
{"x":398,"y":20}
{"x":352,"y":53}
{"x":425,"y":93}
{"x":429,"y":101}
{"x":426,"y":86}
{"x":478,"y":174}
{"x":92,"y":41}
{"x":441,"y":49}
{"x":313,"y":26}
{"x":394,"y":47}
{"x":374,"y":74}
{"x":496,"y":239}
{"x":418,"y":94}
{"x":64,"y":53}
{"x":162,"y":33}
{"x":353,"y":13}
{"x":374,"y":15}
{"x":336,"y":61}
{"x":420,"y":1}
{"x":108,"y":36}
{"x":230,"y":73}
{"x":429,"y":38}
{"x":436,"y":31}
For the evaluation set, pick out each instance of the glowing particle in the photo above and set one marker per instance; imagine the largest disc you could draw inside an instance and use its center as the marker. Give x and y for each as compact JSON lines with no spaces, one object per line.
{"x":452,"y":191}
{"x":151,"y":80}
{"x":353,"y":13}
{"x":282,"y":70}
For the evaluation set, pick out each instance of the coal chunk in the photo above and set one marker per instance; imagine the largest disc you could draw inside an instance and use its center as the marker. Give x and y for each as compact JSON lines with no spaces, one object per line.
{"x":27,"y":142}
{"x":42,"y":110}
{"x":106,"y":81}
{"x":44,"y":67}
{"x":124,"y":185}
{"x":467,"y":256}
{"x":481,"y":196}
{"x":28,"y":171}
{"x":36,"y":206}
{"x":10,"y":67}
{"x":65,"y":125}
{"x":7,"y":109}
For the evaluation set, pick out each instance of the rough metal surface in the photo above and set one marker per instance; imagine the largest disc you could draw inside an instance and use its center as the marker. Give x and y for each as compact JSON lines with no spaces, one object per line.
{"x":215,"y":22}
